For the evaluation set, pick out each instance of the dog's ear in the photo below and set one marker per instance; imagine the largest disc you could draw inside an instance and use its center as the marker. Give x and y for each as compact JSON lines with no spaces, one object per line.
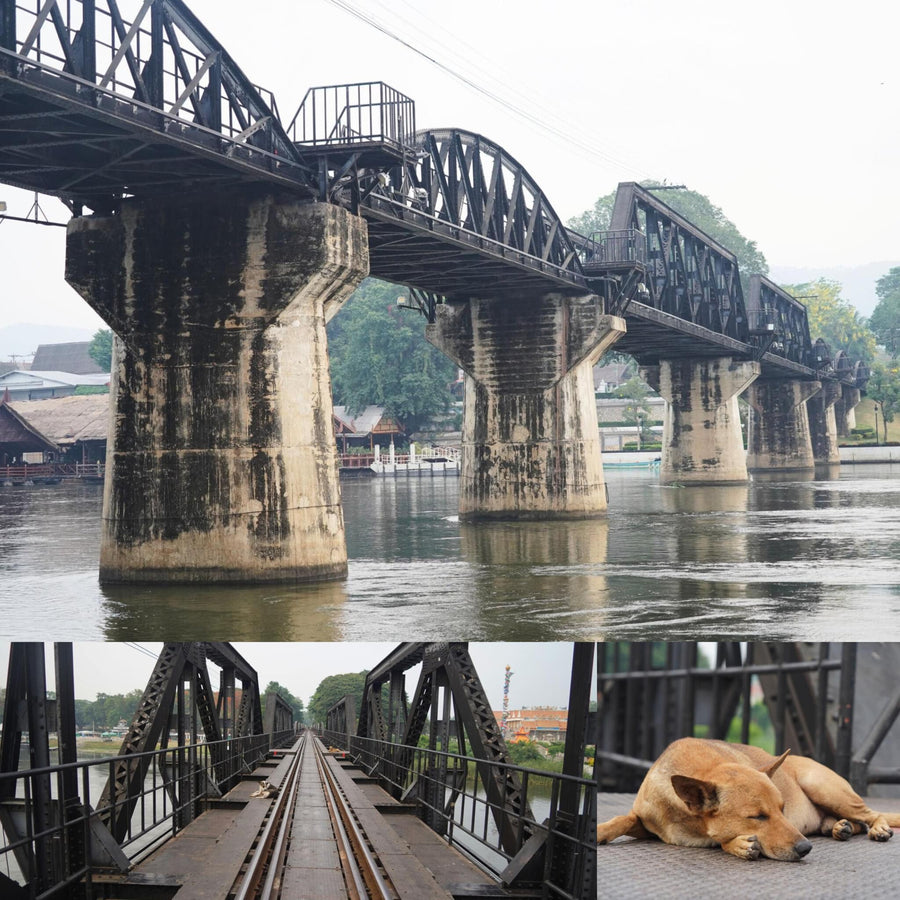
{"x":698,"y":796}
{"x":772,"y":767}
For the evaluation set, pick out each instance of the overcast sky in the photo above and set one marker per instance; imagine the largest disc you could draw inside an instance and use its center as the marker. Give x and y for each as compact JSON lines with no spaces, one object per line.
{"x":783,"y":112}
{"x":541,"y":671}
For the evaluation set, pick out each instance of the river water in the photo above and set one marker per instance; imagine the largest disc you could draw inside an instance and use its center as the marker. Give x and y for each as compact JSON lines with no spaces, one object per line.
{"x":781,"y":559}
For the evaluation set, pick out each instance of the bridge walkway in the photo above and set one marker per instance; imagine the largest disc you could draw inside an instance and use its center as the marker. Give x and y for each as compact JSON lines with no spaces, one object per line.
{"x":628,"y":868}
{"x":203,"y":861}
{"x":241,"y":846}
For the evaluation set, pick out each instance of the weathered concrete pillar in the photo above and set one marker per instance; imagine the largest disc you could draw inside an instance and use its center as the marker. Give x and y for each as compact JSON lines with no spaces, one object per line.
{"x":702,"y":441}
{"x":222,"y":464}
{"x":845,"y":410}
{"x":779,"y":426}
{"x":530,"y":442}
{"x":822,"y":426}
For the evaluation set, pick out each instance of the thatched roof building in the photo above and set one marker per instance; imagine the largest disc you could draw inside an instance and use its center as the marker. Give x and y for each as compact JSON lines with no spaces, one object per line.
{"x":78,"y":424}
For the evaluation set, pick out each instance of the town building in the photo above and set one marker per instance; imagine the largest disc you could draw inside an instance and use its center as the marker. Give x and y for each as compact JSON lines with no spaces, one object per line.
{"x":541,"y":723}
{"x":44,"y":385}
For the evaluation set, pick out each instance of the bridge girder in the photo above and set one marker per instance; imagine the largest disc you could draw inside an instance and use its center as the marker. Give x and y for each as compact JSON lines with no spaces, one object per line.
{"x":93,"y":107}
{"x":460,"y":217}
{"x":150,"y":726}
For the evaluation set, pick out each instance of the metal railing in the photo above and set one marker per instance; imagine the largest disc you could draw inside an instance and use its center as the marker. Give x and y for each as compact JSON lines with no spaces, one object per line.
{"x":118,"y":43}
{"x":652,"y":693}
{"x":54,"y":830}
{"x":445,"y":789}
{"x":364,"y":113}
{"x":614,"y":248}
{"x":51,"y":470}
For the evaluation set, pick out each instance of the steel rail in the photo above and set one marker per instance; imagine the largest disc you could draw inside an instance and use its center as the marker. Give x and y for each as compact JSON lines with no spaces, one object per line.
{"x":271,"y":844}
{"x":358,"y":855}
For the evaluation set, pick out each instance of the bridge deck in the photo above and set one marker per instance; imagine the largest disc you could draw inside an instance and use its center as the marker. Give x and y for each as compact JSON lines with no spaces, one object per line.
{"x":628,"y":868}
{"x":207,"y":858}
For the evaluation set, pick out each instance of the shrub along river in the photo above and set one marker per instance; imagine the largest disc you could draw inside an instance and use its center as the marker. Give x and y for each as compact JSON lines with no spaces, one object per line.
{"x":790,"y":558}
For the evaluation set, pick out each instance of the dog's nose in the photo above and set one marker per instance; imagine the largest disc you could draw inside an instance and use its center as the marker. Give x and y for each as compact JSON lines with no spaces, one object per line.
{"x":801,"y":848}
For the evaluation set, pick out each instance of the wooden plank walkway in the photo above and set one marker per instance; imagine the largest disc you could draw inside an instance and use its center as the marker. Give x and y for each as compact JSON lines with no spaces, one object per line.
{"x":206,"y":857}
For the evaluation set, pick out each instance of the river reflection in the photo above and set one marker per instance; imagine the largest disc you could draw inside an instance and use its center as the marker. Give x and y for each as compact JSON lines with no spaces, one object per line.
{"x":795,"y":557}
{"x":554,"y":569}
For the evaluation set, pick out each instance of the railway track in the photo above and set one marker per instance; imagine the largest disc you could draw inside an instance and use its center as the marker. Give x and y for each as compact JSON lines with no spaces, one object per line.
{"x":263,"y":876}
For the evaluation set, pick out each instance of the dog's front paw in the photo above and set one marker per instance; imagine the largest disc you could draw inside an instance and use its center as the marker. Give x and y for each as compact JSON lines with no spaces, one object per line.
{"x":879,"y":830}
{"x":744,"y":846}
{"x":842,"y":830}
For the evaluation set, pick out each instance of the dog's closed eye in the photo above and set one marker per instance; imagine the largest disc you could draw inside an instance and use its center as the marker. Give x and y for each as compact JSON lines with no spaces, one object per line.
{"x":760,"y":817}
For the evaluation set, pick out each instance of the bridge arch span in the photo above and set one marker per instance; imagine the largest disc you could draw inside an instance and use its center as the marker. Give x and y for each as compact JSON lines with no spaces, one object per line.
{"x":464,"y":192}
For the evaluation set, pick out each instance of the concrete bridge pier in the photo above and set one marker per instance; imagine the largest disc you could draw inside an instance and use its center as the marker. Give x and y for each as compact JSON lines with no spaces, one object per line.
{"x":779,"y":437}
{"x":530,"y":444}
{"x":702,"y":440}
{"x":845,"y":409}
{"x":222,"y":465}
{"x":822,"y":424}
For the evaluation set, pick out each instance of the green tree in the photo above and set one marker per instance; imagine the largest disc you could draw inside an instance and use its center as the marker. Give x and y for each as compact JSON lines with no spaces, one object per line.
{"x":700,"y":211}
{"x":379,"y":356}
{"x":334,"y":688}
{"x":834,"y":319}
{"x":101,"y":347}
{"x":295,"y":703}
{"x":107,"y":710}
{"x":885,"y":319}
{"x":884,"y":389}
{"x":637,"y":410}
{"x":523,"y":752}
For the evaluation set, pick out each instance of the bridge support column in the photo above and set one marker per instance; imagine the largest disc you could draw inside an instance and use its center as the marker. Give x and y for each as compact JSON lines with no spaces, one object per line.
{"x":222,"y":464}
{"x":822,"y":425}
{"x":530,"y":445}
{"x":702,"y":441}
{"x":845,"y":410}
{"x":779,"y":437}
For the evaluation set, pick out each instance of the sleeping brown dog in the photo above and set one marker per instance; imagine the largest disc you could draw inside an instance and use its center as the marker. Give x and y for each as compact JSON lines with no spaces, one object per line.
{"x":701,"y":793}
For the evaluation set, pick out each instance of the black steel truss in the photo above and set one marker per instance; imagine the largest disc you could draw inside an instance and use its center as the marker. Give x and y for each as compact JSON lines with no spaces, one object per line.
{"x":448,"y":674}
{"x":178,"y":663}
{"x":688,"y":274}
{"x":94,"y":107}
{"x":778,"y":322}
{"x":460,"y":217}
{"x":278,"y":714}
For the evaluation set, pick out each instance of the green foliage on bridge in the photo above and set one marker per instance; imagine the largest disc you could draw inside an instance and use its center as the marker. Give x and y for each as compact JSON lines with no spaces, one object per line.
{"x":884,"y":389}
{"x":885,"y":319}
{"x":332,"y":689}
{"x":834,"y":318}
{"x":380,"y":357}
{"x":107,"y":710}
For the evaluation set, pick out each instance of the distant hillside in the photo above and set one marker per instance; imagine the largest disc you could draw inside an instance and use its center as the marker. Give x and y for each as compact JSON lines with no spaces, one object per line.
{"x":858,"y":281}
{"x":22,"y":339}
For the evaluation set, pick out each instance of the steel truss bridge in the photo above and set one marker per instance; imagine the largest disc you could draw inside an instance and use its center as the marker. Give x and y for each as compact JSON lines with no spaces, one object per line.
{"x":96,"y":107}
{"x":213,"y":794}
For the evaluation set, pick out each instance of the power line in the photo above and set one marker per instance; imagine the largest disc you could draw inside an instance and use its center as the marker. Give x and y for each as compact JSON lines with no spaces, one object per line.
{"x":538,"y":120}
{"x":145,"y":650}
